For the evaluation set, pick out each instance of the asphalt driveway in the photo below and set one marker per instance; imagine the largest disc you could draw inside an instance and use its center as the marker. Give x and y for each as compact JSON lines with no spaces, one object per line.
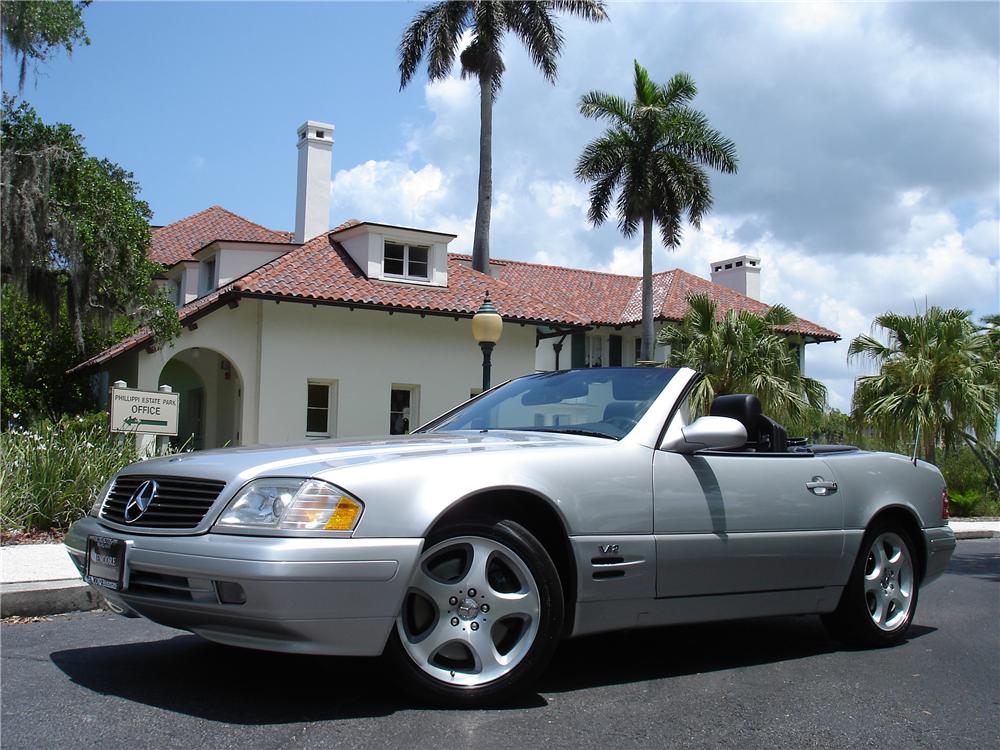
{"x":100,"y":680}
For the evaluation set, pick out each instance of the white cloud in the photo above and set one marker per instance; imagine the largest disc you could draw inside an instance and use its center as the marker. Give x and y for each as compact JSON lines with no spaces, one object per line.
{"x":389,"y":191}
{"x":983,"y":238}
{"x":452,"y":96}
{"x":868,"y":139}
{"x":817,"y":17}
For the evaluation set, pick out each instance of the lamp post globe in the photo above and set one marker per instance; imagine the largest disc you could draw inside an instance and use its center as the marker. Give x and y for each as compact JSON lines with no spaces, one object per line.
{"x":487,"y":327}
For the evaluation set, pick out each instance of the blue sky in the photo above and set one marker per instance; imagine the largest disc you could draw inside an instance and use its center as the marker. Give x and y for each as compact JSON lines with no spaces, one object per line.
{"x":201,"y":100}
{"x":868,"y":136}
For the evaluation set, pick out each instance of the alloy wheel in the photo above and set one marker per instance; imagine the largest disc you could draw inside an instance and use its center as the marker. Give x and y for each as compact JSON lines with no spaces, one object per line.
{"x":888,"y":581}
{"x":471,"y":613}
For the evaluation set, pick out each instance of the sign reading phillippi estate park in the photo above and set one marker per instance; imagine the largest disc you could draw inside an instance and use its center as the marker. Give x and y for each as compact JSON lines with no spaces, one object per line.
{"x":151,"y":412}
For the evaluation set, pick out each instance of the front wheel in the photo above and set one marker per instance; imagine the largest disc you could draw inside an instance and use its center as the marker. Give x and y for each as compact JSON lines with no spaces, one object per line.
{"x":482,"y":615}
{"x":880,"y":598}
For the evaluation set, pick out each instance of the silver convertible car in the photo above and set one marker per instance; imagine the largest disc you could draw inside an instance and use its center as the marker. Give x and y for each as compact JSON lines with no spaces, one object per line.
{"x":555,"y":505}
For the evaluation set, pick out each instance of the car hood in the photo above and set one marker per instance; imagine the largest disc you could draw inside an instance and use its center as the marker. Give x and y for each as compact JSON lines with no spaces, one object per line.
{"x":309,"y":458}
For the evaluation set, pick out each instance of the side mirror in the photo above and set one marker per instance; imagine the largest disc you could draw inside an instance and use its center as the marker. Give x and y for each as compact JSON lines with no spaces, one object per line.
{"x":711,"y":432}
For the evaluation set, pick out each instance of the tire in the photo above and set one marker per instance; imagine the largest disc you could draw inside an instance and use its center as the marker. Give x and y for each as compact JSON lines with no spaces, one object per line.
{"x":880,"y":599}
{"x":481,"y":618}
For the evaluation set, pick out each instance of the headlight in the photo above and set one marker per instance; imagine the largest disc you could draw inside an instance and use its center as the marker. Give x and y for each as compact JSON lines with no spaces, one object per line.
{"x":292,"y":504}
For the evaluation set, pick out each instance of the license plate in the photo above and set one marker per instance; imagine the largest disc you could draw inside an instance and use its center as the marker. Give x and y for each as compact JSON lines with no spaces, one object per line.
{"x":105,"y":562}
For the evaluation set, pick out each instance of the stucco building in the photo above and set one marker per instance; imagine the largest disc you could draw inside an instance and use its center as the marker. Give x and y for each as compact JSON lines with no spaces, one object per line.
{"x":365,"y":329}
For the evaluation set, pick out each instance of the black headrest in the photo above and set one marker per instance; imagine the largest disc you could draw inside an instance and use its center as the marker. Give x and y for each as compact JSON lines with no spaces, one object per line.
{"x":744,"y":407}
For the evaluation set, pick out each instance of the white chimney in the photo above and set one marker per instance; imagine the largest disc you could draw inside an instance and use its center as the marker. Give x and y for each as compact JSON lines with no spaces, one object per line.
{"x":312,"y":200}
{"x":741,"y":274}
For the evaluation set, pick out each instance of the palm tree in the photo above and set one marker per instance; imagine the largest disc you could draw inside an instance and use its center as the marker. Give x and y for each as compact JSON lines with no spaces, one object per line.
{"x":655,"y":153}
{"x":742,"y":352}
{"x":438,"y":31}
{"x":938,"y":374}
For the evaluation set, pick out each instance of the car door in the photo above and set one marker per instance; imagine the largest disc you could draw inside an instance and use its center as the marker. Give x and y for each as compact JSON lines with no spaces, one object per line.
{"x":743,"y":522}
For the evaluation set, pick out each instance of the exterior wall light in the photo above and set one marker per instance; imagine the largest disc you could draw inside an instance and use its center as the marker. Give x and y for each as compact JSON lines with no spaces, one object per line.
{"x":487,"y":326}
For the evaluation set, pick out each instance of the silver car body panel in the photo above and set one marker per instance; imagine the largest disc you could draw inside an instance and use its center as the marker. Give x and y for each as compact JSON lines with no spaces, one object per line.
{"x":333,"y":596}
{"x":657,"y":537}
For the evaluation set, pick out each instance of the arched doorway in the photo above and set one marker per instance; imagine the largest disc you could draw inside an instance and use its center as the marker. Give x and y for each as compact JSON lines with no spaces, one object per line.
{"x":211,"y":398}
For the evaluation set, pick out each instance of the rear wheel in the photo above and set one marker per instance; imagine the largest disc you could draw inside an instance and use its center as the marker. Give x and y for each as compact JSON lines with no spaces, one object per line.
{"x":482,"y":615}
{"x":880,"y":598}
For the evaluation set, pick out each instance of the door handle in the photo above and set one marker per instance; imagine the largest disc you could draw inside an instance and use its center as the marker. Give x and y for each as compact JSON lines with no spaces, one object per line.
{"x":819,"y":486}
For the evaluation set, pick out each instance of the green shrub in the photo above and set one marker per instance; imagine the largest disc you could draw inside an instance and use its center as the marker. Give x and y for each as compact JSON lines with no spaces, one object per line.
{"x":968,"y":484}
{"x":963,"y":471}
{"x":964,"y":503}
{"x":51,"y":475}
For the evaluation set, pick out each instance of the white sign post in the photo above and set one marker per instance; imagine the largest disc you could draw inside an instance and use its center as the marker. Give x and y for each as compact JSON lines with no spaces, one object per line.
{"x":143,"y":412}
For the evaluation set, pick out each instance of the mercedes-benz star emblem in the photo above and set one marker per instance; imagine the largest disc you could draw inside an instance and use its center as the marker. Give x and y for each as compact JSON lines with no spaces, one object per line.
{"x":140,"y":501}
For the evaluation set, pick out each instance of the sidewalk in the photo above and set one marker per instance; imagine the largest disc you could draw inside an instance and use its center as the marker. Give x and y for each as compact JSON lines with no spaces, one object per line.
{"x":39,"y":579}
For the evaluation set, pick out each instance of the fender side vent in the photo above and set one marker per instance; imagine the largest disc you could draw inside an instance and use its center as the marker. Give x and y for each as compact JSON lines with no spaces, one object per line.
{"x":607,"y":560}
{"x":601,"y":575}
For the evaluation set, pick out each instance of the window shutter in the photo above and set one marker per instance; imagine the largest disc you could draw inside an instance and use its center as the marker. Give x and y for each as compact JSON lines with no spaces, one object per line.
{"x":614,"y":351}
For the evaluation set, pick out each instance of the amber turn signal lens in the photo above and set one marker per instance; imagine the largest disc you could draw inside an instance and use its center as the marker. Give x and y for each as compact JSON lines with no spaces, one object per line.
{"x":344,"y":515}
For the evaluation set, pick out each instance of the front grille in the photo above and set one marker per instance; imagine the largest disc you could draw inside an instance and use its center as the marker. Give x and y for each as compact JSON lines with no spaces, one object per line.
{"x":179,"y":503}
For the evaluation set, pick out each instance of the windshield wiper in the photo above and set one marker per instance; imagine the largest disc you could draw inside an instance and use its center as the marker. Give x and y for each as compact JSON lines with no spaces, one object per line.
{"x":588,"y":433}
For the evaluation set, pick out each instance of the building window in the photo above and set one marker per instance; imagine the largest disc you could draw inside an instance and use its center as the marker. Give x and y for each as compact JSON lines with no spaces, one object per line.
{"x":638,"y":349}
{"x":406,"y":261}
{"x":595,"y":351}
{"x":320,"y":408}
{"x":402,"y":409}
{"x":207,"y":276}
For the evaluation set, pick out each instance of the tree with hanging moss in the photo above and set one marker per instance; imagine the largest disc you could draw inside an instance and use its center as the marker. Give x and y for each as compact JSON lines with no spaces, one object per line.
{"x":34,"y":30}
{"x":74,"y":237}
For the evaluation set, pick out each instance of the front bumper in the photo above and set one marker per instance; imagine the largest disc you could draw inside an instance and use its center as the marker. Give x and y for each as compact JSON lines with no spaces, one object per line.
{"x":940,"y":544}
{"x":303,"y":595}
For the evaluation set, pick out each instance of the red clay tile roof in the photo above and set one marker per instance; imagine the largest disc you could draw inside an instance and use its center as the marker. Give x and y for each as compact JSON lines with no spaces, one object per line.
{"x":322,"y":271}
{"x":176,"y":242}
{"x":613,"y":299}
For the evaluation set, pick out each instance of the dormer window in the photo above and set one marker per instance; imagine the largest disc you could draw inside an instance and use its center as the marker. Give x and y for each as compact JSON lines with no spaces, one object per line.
{"x":406,"y":261}
{"x":208,"y":283}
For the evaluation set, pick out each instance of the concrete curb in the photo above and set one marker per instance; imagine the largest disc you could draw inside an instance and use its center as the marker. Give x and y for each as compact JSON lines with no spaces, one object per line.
{"x":975,"y":529}
{"x":41,"y":598}
{"x":978,"y":534}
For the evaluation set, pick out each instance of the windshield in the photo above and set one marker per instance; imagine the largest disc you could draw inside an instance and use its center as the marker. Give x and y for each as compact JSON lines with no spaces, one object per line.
{"x":604,"y":402}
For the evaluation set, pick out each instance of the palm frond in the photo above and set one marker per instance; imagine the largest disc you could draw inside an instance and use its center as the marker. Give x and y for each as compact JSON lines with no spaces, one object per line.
{"x":645,"y":88}
{"x":414,"y":41}
{"x":590,"y":10}
{"x":680,"y":89}
{"x":599,"y":105}
{"x":534,"y":24}
{"x":779,"y":315}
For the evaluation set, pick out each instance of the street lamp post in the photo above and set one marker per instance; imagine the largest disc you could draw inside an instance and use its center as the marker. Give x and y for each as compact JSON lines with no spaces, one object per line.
{"x":487,"y":325}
